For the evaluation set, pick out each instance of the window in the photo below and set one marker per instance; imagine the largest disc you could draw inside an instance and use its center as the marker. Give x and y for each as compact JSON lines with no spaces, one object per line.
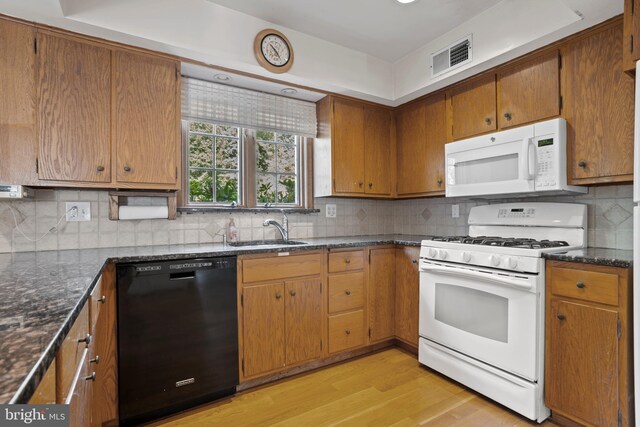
{"x":245,"y":148}
{"x":223,"y":160}
{"x":213,"y":163}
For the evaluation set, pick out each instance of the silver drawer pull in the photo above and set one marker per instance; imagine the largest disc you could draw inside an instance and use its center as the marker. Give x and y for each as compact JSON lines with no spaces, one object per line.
{"x":86,"y":339}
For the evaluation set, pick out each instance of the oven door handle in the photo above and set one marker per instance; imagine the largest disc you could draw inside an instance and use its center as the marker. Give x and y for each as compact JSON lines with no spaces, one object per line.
{"x":477,"y":275}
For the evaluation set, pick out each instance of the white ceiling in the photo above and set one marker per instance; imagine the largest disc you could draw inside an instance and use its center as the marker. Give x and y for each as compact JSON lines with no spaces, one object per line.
{"x":385,"y":29}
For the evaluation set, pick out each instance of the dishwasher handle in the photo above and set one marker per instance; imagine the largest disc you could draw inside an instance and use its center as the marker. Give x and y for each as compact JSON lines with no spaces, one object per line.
{"x":183,"y":275}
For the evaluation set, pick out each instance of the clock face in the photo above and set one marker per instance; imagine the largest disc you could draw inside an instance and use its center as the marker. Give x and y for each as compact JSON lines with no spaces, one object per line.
{"x":275,"y":50}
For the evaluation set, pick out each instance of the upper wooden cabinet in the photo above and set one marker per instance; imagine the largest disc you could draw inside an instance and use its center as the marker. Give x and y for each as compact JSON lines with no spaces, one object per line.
{"x":354,"y":150}
{"x":473,"y":107}
{"x":18,"y":143}
{"x":74,"y":99}
{"x":631,"y":38}
{"x":421,"y":136}
{"x":599,"y":108}
{"x":529,"y":91}
{"x":146,"y":119}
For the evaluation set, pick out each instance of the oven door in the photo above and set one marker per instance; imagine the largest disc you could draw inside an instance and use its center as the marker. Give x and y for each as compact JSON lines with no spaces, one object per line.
{"x":499,"y":163}
{"x":489,"y":315}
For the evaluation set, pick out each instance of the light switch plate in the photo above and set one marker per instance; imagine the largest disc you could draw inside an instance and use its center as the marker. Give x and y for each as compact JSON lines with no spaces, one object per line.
{"x":83,"y":212}
{"x":455,"y":211}
{"x":331,"y":211}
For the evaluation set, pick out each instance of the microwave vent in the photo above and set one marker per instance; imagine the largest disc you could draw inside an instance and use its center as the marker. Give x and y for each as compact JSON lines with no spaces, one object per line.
{"x":451,"y":57}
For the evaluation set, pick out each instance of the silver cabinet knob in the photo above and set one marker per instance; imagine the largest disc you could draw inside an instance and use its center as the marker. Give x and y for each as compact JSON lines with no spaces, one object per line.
{"x":292,"y":293}
{"x":487,"y":121}
{"x":103,"y":299}
{"x":347,"y":292}
{"x":86,"y":340}
{"x":507,"y":116}
{"x":127,"y":168}
{"x":582,"y":164}
{"x":100,"y":168}
{"x":91,"y":377}
{"x":95,"y":360}
{"x":348,"y":332}
{"x":278,"y":296}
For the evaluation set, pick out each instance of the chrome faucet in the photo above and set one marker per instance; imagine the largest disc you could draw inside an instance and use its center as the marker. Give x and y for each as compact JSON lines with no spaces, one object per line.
{"x":282,"y":228}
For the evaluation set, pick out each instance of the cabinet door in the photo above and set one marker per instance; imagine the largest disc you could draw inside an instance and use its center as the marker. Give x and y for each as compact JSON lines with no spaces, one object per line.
{"x":18,"y":146}
{"x":263,"y":328}
{"x":74,"y":101}
{"x":382,"y":294}
{"x":599,"y":109}
{"x":303,"y":320}
{"x":473,"y":107}
{"x":631,"y":40}
{"x":104,"y":396}
{"x":411,"y":139}
{"x":407,"y":294}
{"x":377,"y":151}
{"x":147,"y":131}
{"x":529,"y":91}
{"x":582,"y":362}
{"x":79,"y":399}
{"x":348,"y":147}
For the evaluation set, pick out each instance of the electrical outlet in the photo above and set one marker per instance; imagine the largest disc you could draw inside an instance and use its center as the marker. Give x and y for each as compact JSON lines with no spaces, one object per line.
{"x":455,"y":211}
{"x":82,"y":211}
{"x":331,"y":211}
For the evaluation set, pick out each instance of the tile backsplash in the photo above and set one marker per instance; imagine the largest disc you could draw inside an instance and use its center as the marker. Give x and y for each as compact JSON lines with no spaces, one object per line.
{"x":610,"y":221}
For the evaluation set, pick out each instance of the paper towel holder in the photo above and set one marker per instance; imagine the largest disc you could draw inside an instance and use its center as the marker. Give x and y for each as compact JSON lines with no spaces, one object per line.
{"x":115,"y":201}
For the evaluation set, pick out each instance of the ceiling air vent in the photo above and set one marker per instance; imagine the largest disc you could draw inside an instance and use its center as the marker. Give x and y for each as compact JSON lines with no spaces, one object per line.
{"x":451,"y":57}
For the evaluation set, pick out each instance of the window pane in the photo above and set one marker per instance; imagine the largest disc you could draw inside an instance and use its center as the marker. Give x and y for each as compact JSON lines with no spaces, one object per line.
{"x":226,"y":187}
{"x":287,"y":189}
{"x":200,"y":186}
{"x":266,"y":188}
{"x":265,"y":157}
{"x":286,"y":158}
{"x":227,"y":131}
{"x":226,"y":153}
{"x":200,"y":151}
{"x":200,"y":127}
{"x":264,"y":135}
{"x":287,"y":139}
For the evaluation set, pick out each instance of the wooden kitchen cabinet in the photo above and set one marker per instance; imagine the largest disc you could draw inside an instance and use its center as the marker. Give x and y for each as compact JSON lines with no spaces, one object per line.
{"x":529,"y":90}
{"x":588,"y":353}
{"x":18,"y":141}
{"x":421,"y":136}
{"x":407,"y":294}
{"x":45,"y":393}
{"x":146,"y":119}
{"x":382,"y":293}
{"x":354,"y":149}
{"x":281,"y":315}
{"x":631,"y":37}
{"x":599,"y":108}
{"x":74,"y":99}
{"x":473,"y":107}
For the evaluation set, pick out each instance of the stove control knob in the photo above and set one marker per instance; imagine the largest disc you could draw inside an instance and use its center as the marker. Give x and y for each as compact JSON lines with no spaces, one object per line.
{"x":512,"y":263}
{"x":443,"y":254}
{"x":466,"y":256}
{"x":431,"y":253}
{"x":494,"y":260}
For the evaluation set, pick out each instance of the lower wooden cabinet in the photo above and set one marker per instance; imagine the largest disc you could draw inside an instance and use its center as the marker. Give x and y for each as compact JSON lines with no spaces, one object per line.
{"x":382,"y":290}
{"x":588,"y":344}
{"x":280,"y":320}
{"x":407,"y":294}
{"x":346,"y":331}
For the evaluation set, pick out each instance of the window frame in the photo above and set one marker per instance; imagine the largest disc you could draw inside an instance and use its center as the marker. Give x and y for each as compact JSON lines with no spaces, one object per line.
{"x":248,"y":174}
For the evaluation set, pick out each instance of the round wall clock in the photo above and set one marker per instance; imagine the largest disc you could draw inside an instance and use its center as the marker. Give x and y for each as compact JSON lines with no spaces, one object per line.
{"x":273,"y":51}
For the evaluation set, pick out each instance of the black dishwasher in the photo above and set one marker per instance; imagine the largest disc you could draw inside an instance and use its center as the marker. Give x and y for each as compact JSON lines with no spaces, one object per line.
{"x":177,"y":335}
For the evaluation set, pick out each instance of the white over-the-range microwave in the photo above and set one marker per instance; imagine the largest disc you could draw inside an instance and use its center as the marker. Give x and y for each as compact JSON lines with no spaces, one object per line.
{"x":525,"y":161}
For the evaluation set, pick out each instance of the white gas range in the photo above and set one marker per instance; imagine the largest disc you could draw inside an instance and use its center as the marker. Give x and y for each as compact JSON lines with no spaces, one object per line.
{"x":482,"y":299}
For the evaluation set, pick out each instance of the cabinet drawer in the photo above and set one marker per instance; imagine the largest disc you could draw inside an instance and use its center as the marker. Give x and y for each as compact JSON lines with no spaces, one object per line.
{"x":280,"y":267}
{"x":346,"y":261}
{"x":71,"y":354}
{"x":346,"y":291}
{"x":585,"y":285}
{"x":96,"y":303}
{"x":346,"y":331}
{"x":79,"y":398}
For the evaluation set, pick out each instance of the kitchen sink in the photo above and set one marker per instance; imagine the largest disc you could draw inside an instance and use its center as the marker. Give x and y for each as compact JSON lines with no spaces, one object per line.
{"x":268,"y":243}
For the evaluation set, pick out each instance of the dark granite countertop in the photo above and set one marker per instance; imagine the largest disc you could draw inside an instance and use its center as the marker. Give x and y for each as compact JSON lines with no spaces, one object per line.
{"x":601,"y":256}
{"x":43,"y":292}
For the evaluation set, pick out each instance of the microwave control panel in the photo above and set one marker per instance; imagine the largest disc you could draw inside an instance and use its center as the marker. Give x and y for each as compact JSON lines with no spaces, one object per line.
{"x":545,"y":156}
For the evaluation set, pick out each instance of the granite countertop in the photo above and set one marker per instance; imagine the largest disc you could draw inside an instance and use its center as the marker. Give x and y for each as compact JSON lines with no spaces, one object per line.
{"x":601,"y":256}
{"x":43,"y":292}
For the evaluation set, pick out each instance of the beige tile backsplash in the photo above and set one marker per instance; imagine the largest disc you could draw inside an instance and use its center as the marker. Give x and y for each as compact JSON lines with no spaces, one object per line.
{"x":610,"y":221}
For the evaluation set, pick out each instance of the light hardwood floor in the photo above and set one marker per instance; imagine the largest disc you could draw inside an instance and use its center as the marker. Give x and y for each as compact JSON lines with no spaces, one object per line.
{"x":383,"y":389}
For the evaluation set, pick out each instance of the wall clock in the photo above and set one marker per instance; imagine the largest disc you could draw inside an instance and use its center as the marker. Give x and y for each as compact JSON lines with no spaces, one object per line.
{"x":273,"y":51}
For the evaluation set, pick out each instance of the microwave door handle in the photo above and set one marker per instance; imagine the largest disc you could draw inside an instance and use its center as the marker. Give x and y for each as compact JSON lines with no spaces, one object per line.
{"x":526,"y":159}
{"x":478,"y":275}
{"x":532,"y":160}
